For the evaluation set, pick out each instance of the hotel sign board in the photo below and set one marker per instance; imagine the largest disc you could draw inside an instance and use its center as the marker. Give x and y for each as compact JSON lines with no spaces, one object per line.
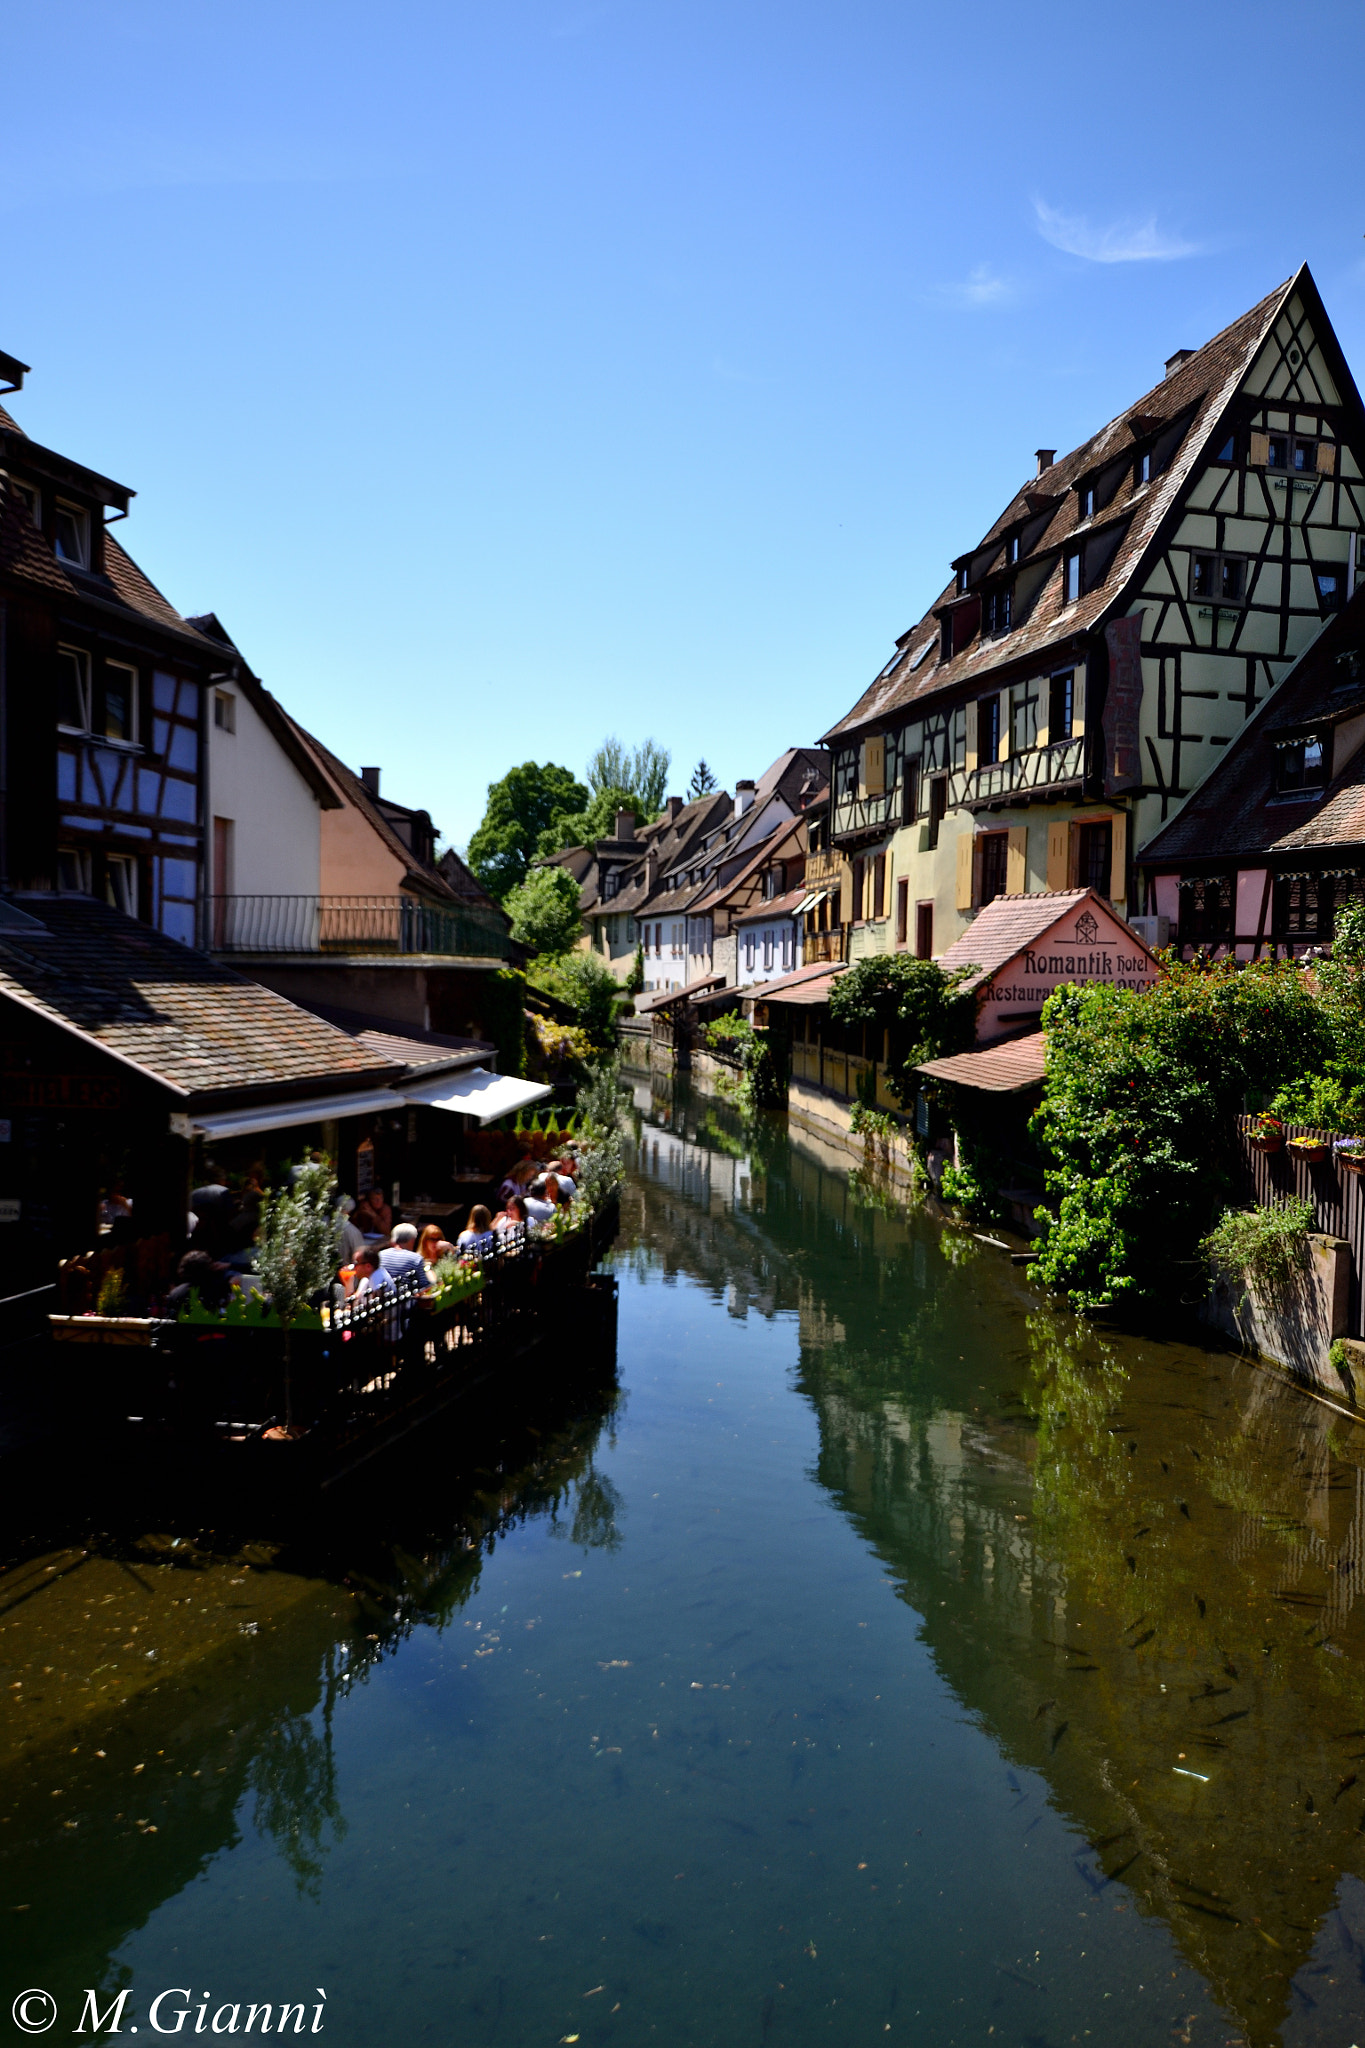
{"x":1087,"y":943}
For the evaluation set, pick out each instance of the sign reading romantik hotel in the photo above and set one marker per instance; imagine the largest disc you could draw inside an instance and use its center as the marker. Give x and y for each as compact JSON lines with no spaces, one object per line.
{"x":1023,"y":947}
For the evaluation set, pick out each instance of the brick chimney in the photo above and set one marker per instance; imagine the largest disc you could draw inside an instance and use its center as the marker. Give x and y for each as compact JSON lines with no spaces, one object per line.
{"x":675,"y":804}
{"x":370,"y":778}
{"x":625,"y":824}
{"x":1044,"y":457}
{"x":1175,"y":362}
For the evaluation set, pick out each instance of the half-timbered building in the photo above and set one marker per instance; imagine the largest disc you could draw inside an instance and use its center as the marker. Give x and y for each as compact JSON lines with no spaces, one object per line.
{"x":1105,"y":641}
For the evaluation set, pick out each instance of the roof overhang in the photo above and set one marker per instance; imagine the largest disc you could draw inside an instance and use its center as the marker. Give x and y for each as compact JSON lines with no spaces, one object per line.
{"x":278,"y":1116}
{"x":1006,"y":1069}
{"x":476,"y":1092}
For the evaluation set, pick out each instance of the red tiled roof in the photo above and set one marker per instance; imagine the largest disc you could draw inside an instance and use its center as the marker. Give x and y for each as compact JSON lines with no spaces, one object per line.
{"x":775,"y":906}
{"x":198,"y":1028}
{"x":1202,"y":388}
{"x":1004,"y":927}
{"x":806,"y":985}
{"x":1000,"y":1069}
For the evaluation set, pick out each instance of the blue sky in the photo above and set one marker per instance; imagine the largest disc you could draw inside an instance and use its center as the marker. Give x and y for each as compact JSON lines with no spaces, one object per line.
{"x":507,"y":375}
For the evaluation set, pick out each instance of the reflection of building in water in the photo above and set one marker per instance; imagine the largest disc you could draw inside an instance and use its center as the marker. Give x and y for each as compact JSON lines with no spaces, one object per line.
{"x":150,"y":1779}
{"x":1137,"y":1564}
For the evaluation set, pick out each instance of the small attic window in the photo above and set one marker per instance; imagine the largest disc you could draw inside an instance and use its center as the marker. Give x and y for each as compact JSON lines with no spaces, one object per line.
{"x":1085,"y":501}
{"x":1012,"y":550}
{"x":72,"y":536}
{"x":920,"y":654}
{"x":225,"y":711}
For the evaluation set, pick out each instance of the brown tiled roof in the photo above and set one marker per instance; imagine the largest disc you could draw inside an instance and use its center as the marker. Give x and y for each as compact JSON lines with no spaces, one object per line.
{"x":1000,"y":1069}
{"x":1005,"y":927}
{"x":1201,"y":388}
{"x":388,"y":1041}
{"x":713,"y":896}
{"x":806,"y":985}
{"x":664,"y":996}
{"x":1235,"y":811}
{"x":199,"y":1029}
{"x":773,"y":906}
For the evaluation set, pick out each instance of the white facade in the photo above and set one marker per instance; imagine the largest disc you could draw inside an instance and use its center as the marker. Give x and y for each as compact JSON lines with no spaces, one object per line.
{"x":264,"y":820}
{"x":767,"y":947}
{"x":664,"y":940}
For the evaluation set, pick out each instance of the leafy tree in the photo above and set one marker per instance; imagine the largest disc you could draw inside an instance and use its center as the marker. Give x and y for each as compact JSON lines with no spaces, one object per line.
{"x":588,"y":988}
{"x":1139,"y":1112}
{"x":598,"y":821}
{"x":645,"y":771}
{"x":924,"y":1011}
{"x":1332,"y":1096}
{"x":703,"y":782}
{"x":544,"y":910}
{"x":297,"y":1250}
{"x":521,"y":807}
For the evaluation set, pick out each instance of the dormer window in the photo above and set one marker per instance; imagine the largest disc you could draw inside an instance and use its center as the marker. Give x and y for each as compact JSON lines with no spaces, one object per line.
{"x":962,"y":582}
{"x":1012,"y":550}
{"x":996,"y":610}
{"x":1071,"y":577}
{"x":1085,"y":497}
{"x":1145,"y":467}
{"x":71,"y":536}
{"x":1301,"y":765}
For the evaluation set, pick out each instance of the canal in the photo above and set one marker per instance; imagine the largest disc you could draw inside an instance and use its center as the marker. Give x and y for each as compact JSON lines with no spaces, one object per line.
{"x":883,"y":1656}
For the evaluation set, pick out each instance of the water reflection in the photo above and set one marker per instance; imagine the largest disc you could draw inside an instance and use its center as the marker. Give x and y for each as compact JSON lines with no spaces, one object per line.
{"x":1137,"y":1563}
{"x":166,"y":1692}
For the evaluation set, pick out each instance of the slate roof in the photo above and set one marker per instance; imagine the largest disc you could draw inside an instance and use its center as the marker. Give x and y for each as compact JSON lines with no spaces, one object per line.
{"x":1005,"y":927}
{"x":413,"y":1048}
{"x":670,"y":841}
{"x":1201,"y":389}
{"x":1236,"y":812}
{"x":197,"y":1028}
{"x":713,"y":895}
{"x":999,"y":1069}
{"x":773,"y":906}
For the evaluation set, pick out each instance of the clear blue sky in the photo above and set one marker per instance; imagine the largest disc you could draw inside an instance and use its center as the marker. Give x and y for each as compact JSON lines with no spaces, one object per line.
{"x":504,"y":375}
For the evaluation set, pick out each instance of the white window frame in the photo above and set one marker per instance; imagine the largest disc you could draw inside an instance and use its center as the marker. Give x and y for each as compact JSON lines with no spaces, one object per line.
{"x":79,"y":856}
{"x":130,"y":739}
{"x":225,"y":711}
{"x":124,"y":864}
{"x":82,"y":519}
{"x":82,"y":659}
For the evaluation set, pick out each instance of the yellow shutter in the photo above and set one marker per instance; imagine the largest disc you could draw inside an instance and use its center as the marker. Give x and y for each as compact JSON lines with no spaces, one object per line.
{"x":1016,"y":862}
{"x":971,"y":735}
{"x":965,"y":850}
{"x":1259,"y":451}
{"x":874,"y":765}
{"x":1327,"y":457}
{"x":1118,"y":858}
{"x":1058,"y":855}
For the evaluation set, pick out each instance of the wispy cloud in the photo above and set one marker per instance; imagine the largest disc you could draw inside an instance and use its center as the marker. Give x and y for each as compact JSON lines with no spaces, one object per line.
{"x":1122,"y":241}
{"x":981,"y":287}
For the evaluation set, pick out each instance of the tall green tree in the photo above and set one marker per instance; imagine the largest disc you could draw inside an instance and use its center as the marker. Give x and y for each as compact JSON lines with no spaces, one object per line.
{"x":703,"y":782}
{"x":598,"y":821}
{"x":522,"y":807}
{"x":643,"y":770}
{"x":544,"y":911}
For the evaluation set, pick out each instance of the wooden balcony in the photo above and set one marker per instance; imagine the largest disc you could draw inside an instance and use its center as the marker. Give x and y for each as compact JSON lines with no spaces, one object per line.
{"x":820,"y":946}
{"x":1037,"y":768}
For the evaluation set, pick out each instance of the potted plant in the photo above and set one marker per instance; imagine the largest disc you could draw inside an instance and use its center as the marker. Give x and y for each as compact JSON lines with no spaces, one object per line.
{"x":1266,"y":1133}
{"x":1350,"y":1154}
{"x":1309,"y":1147}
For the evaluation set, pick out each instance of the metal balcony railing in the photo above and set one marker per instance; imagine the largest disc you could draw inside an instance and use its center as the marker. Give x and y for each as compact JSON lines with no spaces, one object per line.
{"x":343,"y":924}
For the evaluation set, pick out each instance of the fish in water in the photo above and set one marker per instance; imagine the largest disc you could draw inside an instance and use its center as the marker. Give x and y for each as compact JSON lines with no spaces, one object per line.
{"x":1138,"y":1641}
{"x":1200,"y":1605}
{"x":1108,"y":1841}
{"x":1184,"y":1509}
{"x":1043,"y":1709}
{"x":1239,"y":1714}
{"x":1060,"y":1733}
{"x":1344,"y":1786}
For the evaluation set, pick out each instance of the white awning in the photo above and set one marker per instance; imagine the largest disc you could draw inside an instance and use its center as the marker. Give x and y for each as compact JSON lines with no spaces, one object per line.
{"x":277,"y":1116}
{"x":476,"y":1092}
{"x":811,"y":902}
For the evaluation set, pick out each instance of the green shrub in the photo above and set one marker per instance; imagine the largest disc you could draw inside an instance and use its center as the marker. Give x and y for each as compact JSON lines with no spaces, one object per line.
{"x":960,"y":1189}
{"x":924,"y":1012}
{"x":1138,"y":1119}
{"x":544,"y":911}
{"x":1266,"y":1249}
{"x":589,"y":989}
{"x":730,"y":1033}
{"x":296,"y":1255}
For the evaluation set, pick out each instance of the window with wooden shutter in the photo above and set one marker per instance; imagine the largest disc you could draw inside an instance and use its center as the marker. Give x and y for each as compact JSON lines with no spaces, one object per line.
{"x":902,"y":912}
{"x":1016,"y":862}
{"x":879,"y":886}
{"x":874,"y":765}
{"x":1118,"y":860}
{"x":966,"y":847}
{"x":1258,"y":450}
{"x":1058,"y":856}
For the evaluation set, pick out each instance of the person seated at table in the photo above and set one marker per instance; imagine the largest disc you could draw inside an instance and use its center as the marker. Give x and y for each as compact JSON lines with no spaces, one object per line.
{"x":370,"y":1275}
{"x":519,"y":1178}
{"x":349,"y":1235}
{"x":199,"y":1273}
{"x":511,"y":1217}
{"x":477,"y":1236}
{"x":401,"y":1255}
{"x":431,"y":1246}
{"x":373,"y":1214}
{"x":539,"y":1205}
{"x":566,"y":1174}
{"x":556,"y":1192}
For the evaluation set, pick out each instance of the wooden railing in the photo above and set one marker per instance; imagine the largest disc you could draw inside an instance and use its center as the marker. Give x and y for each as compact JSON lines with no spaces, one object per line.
{"x":831,"y":945}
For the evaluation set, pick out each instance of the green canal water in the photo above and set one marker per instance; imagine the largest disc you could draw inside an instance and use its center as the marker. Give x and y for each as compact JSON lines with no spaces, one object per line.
{"x":884,"y":1656}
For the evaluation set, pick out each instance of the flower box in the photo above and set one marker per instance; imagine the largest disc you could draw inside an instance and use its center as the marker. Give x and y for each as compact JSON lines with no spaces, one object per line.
{"x":1350,"y":1154}
{"x":1312,"y":1150}
{"x":1266,"y":1137}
